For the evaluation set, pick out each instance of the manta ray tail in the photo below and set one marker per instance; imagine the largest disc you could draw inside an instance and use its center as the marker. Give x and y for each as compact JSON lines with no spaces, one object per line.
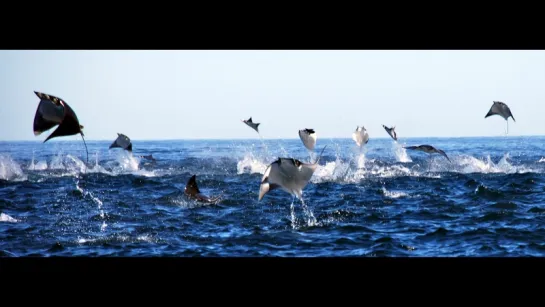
{"x":320,"y":156}
{"x":444,"y":154}
{"x":87,"y":151}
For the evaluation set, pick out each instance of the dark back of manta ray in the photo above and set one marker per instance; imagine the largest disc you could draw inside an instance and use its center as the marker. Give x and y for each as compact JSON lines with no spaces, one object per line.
{"x":69,"y":123}
{"x":122,"y":142}
{"x":191,"y":188}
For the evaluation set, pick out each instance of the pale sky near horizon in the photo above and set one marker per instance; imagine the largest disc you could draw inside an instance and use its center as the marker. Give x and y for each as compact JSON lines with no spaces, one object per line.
{"x":191,"y":94}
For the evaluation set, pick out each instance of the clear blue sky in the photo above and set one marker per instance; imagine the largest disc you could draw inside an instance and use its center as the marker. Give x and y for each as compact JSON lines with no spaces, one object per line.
{"x":204,"y":94}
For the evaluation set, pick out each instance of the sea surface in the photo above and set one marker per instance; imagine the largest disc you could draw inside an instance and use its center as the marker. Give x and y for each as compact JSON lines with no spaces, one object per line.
{"x":380,"y":201}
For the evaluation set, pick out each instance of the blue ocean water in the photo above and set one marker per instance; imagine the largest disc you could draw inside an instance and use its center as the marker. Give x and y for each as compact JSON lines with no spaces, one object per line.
{"x":382,"y":201}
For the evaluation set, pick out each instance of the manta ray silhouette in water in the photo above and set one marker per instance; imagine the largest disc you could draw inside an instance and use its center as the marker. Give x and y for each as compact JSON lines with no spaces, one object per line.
{"x":192,"y":192}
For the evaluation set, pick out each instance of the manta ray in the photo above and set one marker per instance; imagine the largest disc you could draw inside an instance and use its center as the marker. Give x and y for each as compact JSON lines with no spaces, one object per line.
{"x":428,"y":149}
{"x":251,"y":124}
{"x":125,"y":143}
{"x":288,"y":174}
{"x":360,"y":136}
{"x":192,"y":192}
{"x":308,"y":137}
{"x":53,"y":111}
{"x":391,"y":132}
{"x":122,"y":141}
{"x":501,"y":109}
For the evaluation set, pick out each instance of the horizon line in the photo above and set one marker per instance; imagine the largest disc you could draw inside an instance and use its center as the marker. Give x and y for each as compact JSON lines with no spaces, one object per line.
{"x":273,"y":138}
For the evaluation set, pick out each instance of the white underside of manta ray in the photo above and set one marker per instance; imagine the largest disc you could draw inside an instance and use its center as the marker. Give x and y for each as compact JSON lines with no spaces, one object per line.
{"x":360,"y":136}
{"x":308,"y":137}
{"x":289,"y":175}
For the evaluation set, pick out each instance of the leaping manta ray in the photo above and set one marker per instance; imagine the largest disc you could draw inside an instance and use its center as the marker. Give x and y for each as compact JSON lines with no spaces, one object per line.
{"x":501,"y":109}
{"x":251,"y":124}
{"x":360,"y":136}
{"x":192,"y":192}
{"x":125,"y":143}
{"x":308,"y":137}
{"x":428,"y":149}
{"x":288,"y":174}
{"x":54,"y":111}
{"x":122,"y":141}
{"x":391,"y":132}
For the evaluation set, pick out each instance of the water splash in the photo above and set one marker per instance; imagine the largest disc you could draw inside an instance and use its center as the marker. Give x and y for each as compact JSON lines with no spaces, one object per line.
{"x":123,"y":163}
{"x":117,"y":238}
{"x":251,"y":165}
{"x":333,"y":171}
{"x":94,"y":198}
{"x":76,"y":164}
{"x":393,"y":194}
{"x":40,"y":166}
{"x":292,"y":214}
{"x":470,"y":164}
{"x":67,"y":162}
{"x":96,"y":158}
{"x":31,"y":166}
{"x":400,"y":153}
{"x":395,"y":170}
{"x":266,"y":151}
{"x":311,"y":219}
{"x":97,"y":201}
{"x":100,"y":169}
{"x":340,"y":171}
{"x":7,"y":218}
{"x":185,"y":203}
{"x":10,"y":170}
{"x":360,"y":162}
{"x":57,"y":162}
{"x":127,"y":162}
